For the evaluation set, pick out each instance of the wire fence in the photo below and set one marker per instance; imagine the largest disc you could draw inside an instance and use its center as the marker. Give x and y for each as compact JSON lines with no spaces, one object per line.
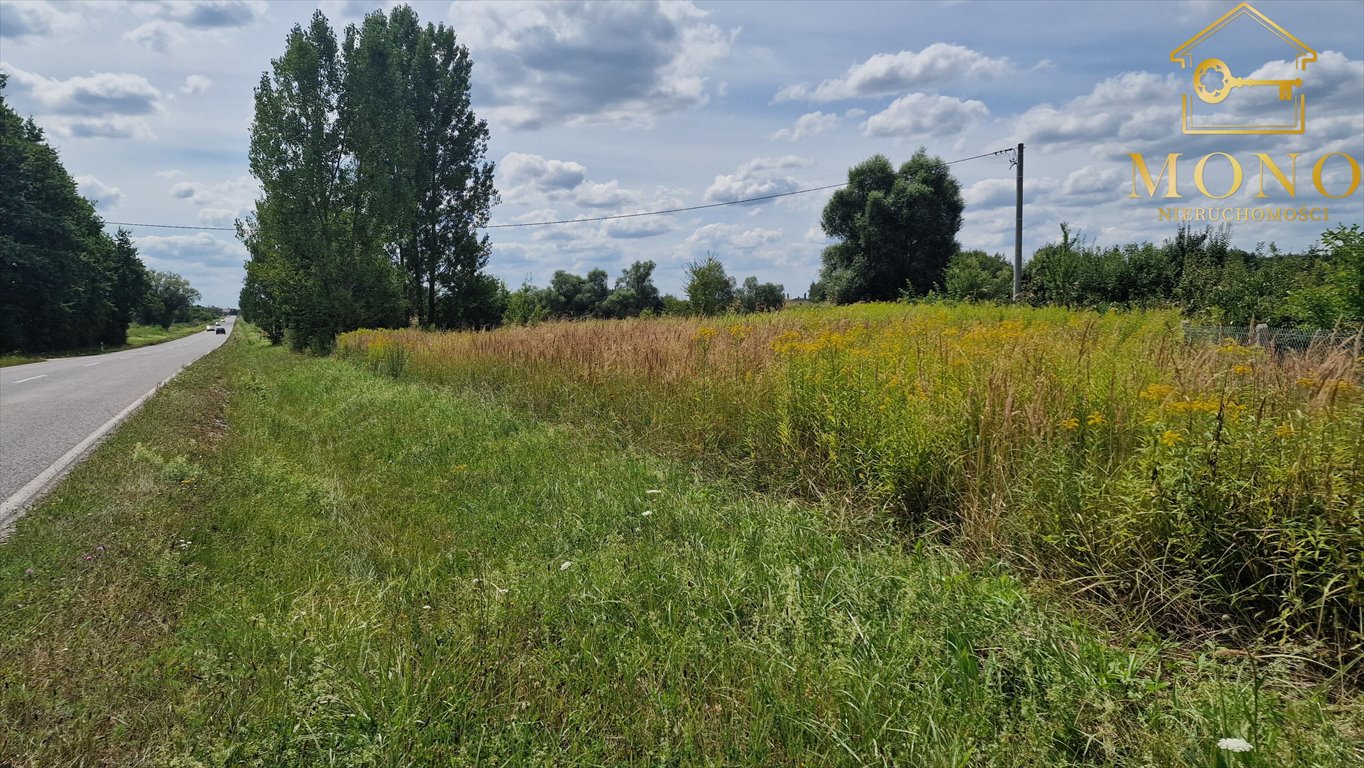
{"x":1271,"y":338}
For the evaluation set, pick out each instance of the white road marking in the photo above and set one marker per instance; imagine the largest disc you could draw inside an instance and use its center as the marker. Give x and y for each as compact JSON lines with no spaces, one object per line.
{"x":13,"y":508}
{"x":30,"y":378}
{"x":87,"y":365}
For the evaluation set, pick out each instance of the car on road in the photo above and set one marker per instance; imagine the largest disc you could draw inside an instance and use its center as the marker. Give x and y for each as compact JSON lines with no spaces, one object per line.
{"x":219,"y":329}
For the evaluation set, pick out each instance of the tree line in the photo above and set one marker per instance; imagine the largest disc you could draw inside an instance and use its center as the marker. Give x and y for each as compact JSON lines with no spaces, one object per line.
{"x":371,"y":164}
{"x":1196,"y":271}
{"x":709,"y":290}
{"x":64,"y":283}
{"x":896,"y":231}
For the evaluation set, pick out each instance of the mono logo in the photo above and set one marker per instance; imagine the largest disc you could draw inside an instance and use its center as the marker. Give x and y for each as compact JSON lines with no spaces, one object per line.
{"x":1233,"y":88}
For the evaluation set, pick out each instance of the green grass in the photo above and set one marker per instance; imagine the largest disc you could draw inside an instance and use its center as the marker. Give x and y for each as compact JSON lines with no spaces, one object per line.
{"x":138,"y":336}
{"x":146,"y":335}
{"x":287,"y":561}
{"x":19,"y":359}
{"x":1198,"y":489}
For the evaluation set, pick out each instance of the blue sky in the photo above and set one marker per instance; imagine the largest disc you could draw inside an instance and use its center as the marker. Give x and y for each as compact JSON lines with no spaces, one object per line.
{"x":609,"y":108}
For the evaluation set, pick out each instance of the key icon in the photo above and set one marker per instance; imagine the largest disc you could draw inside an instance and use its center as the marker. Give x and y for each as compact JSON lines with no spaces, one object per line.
{"x":1227,"y":82}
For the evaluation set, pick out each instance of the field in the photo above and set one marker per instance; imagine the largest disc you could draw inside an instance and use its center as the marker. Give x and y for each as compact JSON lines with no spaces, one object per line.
{"x":285,"y":560}
{"x":1209,"y":491}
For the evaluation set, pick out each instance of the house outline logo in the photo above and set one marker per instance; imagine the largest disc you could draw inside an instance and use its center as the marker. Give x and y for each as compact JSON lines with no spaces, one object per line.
{"x":1216,"y":67}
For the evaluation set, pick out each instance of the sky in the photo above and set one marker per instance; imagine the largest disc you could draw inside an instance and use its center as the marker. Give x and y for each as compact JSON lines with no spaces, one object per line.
{"x":597,"y":109}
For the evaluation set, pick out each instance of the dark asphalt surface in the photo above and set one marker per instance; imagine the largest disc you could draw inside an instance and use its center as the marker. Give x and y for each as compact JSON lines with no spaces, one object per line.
{"x":47,"y":408}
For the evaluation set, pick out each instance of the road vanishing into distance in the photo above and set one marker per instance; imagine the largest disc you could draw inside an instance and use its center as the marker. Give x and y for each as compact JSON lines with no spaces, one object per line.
{"x":53,"y":412}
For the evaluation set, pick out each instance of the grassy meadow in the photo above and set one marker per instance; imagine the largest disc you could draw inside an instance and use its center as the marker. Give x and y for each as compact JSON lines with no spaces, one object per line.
{"x":1208,"y":491}
{"x":292,"y":561}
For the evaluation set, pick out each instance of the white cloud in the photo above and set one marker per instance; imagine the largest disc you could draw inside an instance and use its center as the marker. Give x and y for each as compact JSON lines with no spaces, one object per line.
{"x":644,"y":226}
{"x":1091,"y":185}
{"x":103,"y":195}
{"x":811,"y":124}
{"x":756,"y":178}
{"x":815,"y":234}
{"x":723,"y":237}
{"x":95,"y":95}
{"x":204,"y":14}
{"x":539,"y":214}
{"x":918,"y":115}
{"x":348,"y":9}
{"x":220,"y":203}
{"x":217,"y":217}
{"x":195,"y":84}
{"x":156,"y":35}
{"x":889,"y":73}
{"x":1131,"y":105}
{"x":607,"y":195}
{"x":115,"y":127}
{"x":538,"y":173}
{"x":541,"y":65}
{"x":20,"y":19}
{"x":171,"y":21}
{"x":180,"y":253}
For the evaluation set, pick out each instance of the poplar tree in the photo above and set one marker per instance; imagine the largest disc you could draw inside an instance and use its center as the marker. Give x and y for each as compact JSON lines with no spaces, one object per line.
{"x":372,"y":163}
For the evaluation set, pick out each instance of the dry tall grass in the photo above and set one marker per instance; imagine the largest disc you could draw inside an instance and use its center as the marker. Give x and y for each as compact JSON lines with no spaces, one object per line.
{"x":1207,"y":486}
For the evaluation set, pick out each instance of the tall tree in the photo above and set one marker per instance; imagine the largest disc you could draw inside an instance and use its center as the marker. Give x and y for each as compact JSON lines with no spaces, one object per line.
{"x":304,"y":224}
{"x":897,"y":229}
{"x":169,"y":299}
{"x":634,"y":294}
{"x":419,"y":157}
{"x":710,"y":290}
{"x":754,"y":296}
{"x":375,"y":142}
{"x":129,"y":287}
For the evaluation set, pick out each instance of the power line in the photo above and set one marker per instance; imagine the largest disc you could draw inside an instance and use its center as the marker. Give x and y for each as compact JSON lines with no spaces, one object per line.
{"x":614,"y":216}
{"x":669,"y":210}
{"x":170,"y":226}
{"x":714,"y":205}
{"x":977,"y":157}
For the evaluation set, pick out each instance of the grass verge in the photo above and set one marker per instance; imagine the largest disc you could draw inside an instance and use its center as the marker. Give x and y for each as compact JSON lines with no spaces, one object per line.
{"x":138,"y":336}
{"x":290,"y":561}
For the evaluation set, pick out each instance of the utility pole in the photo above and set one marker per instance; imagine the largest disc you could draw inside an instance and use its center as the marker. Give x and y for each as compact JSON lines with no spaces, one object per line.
{"x":1018,"y":227}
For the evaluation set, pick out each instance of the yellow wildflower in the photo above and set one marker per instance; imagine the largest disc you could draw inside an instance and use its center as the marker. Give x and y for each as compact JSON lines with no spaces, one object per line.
{"x":1344,"y":386}
{"x":1157,"y":392}
{"x":1241,"y":369}
{"x":1171,"y":437}
{"x":1095,"y":419}
{"x":785,"y":342}
{"x":1307,"y":382}
{"x":704,"y":333}
{"x":1071,"y":423}
{"x":1283,"y":430}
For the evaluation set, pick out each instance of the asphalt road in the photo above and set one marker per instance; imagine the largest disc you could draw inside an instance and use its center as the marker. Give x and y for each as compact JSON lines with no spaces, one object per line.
{"x":47,"y":409}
